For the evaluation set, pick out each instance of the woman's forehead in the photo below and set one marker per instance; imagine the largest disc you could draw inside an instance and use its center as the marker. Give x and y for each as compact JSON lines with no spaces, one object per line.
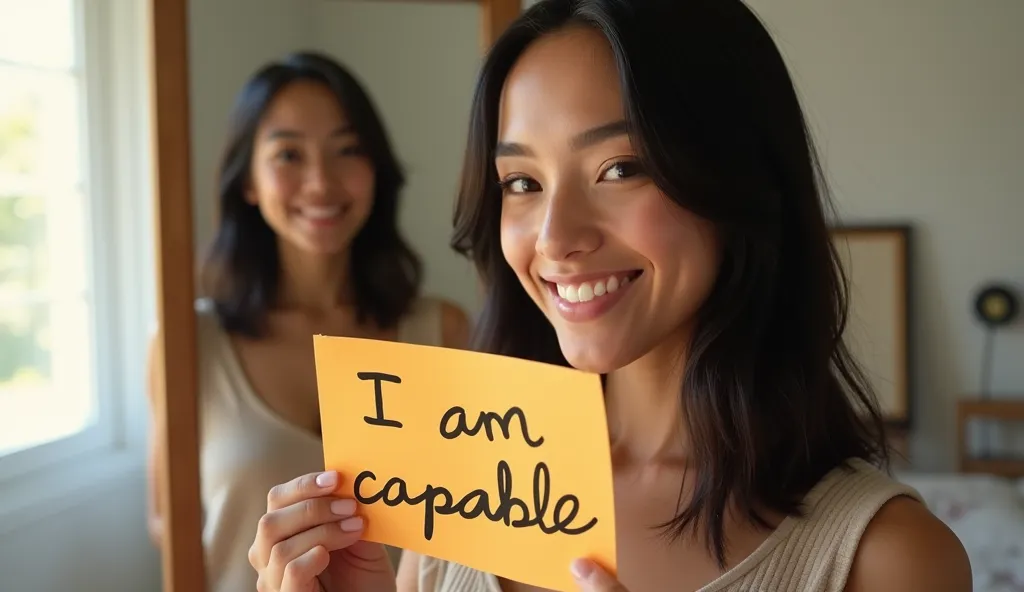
{"x":566,"y":81}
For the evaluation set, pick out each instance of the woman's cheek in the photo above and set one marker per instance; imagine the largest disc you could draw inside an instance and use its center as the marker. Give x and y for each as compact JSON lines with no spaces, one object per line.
{"x":518,"y":240}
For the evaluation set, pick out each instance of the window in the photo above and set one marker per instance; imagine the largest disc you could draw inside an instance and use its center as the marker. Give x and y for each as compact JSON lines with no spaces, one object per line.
{"x":73,"y":214}
{"x":47,"y":389}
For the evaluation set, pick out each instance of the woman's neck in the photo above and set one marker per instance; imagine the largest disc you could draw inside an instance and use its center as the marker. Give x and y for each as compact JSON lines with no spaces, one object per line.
{"x":645,"y":409}
{"x":313,"y":283}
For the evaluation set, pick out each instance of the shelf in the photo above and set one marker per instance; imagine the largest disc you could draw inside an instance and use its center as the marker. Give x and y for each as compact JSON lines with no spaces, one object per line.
{"x":1002,"y":409}
{"x":1011,"y":468}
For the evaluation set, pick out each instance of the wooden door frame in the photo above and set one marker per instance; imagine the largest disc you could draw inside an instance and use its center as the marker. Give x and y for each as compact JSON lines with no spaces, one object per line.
{"x":177,"y":359}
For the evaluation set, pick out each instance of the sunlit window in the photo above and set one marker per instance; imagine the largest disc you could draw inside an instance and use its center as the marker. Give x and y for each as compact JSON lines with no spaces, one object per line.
{"x":47,"y":321}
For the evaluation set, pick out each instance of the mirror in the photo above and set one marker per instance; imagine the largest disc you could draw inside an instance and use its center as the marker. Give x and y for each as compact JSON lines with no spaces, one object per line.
{"x":417,"y":60}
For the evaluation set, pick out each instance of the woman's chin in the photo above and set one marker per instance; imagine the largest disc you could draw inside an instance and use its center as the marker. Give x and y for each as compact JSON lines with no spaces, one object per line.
{"x":591,"y":360}
{"x":319,"y":247}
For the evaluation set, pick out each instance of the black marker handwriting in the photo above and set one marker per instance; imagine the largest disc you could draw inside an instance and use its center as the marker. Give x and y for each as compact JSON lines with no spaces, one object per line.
{"x":440,"y":501}
{"x":486,"y":420}
{"x":378,"y":395}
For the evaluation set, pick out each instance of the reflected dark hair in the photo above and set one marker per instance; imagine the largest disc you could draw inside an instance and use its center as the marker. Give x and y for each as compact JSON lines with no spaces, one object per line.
{"x":241,"y":270}
{"x":773,"y":399}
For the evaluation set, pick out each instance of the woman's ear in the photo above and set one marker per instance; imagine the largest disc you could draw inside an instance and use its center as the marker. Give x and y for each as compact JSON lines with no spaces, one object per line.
{"x":250,"y":194}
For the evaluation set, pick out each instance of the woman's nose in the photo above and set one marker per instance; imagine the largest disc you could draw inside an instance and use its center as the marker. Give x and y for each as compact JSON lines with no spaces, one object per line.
{"x":316,"y":178}
{"x":567,"y":228}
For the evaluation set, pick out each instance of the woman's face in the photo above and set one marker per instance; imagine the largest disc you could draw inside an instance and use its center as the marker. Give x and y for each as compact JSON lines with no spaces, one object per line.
{"x":310,"y":179}
{"x":617,"y":267}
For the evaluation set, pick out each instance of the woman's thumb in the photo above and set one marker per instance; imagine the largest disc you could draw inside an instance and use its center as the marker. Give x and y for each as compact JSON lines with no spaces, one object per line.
{"x":591,"y":577}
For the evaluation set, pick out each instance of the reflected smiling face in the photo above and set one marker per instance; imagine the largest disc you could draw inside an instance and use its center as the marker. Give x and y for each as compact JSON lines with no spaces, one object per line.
{"x":617,"y":267}
{"x":310,"y":178}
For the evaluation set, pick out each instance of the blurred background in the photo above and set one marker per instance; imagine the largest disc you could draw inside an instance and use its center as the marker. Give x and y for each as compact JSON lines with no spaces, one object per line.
{"x":916,"y":107}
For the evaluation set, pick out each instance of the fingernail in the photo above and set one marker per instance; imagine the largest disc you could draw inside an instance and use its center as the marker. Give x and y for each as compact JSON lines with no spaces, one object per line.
{"x":581,"y":569}
{"x":344,"y":507}
{"x":352,"y":524}
{"x":328,"y":479}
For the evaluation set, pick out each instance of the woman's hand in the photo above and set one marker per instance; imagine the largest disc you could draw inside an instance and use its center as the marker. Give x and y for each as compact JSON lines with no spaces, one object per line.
{"x":309,"y":541}
{"x":592,"y":578}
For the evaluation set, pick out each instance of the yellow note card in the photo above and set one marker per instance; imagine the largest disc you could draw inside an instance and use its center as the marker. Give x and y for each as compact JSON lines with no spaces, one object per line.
{"x":502,"y":465}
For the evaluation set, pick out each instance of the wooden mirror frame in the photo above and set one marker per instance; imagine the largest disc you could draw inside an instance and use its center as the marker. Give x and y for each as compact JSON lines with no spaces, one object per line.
{"x":182,"y":550}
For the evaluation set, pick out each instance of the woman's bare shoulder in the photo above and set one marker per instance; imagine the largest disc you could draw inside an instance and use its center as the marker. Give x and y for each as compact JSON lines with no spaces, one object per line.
{"x":907,"y":548}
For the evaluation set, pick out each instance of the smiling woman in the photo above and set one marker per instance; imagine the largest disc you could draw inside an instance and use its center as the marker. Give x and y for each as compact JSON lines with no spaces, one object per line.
{"x":663,"y":223}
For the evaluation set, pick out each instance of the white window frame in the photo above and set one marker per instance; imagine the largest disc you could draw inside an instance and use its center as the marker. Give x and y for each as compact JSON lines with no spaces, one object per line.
{"x":112,"y":53}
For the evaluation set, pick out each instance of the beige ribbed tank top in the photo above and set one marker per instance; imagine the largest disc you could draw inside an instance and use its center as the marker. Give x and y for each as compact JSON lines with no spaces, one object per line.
{"x":809,"y":554}
{"x":245,"y":448}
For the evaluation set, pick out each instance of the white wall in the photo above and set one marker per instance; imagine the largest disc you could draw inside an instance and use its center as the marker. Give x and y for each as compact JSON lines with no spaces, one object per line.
{"x":97,"y":543}
{"x":917,"y":108}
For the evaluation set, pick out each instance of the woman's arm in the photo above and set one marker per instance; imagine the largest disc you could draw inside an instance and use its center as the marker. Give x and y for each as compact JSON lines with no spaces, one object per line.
{"x":154,"y":520}
{"x":907,"y":549}
{"x":408,"y":573}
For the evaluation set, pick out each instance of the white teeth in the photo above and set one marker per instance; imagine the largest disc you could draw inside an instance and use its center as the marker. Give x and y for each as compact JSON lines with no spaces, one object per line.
{"x":587,"y":291}
{"x":320,"y":212}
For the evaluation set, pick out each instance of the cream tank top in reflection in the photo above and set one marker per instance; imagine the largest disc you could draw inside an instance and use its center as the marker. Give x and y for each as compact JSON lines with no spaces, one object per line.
{"x":813,"y":553}
{"x":245,"y":448}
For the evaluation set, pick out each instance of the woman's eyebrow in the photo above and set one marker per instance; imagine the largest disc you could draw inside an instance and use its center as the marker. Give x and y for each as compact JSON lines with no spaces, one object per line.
{"x":586,"y":139}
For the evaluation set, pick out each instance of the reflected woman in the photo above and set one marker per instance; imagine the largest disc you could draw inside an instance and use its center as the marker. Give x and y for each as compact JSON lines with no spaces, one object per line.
{"x":307,"y":243}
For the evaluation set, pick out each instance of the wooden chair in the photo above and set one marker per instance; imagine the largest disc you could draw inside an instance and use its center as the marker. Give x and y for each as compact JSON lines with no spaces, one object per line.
{"x":1008,"y":410}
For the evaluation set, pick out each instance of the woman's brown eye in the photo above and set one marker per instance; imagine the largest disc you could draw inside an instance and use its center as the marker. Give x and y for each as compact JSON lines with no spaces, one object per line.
{"x":519,"y":185}
{"x":288,"y":155}
{"x":621,"y":170}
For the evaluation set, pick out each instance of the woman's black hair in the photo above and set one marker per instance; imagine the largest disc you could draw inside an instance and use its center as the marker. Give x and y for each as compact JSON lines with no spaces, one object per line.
{"x":241,"y":270}
{"x":772,"y":398}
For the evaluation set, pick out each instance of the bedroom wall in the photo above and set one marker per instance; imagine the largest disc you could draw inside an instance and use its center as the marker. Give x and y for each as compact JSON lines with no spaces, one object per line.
{"x":916,"y":106}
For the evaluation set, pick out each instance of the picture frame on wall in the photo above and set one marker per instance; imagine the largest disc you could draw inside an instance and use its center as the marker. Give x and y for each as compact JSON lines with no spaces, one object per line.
{"x":876,"y":261}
